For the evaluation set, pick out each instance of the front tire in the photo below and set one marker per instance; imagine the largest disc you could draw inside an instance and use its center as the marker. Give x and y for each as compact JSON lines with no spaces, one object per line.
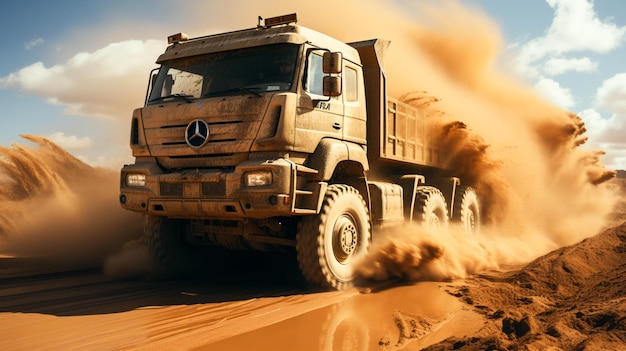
{"x":329,"y":245}
{"x":172,"y":255}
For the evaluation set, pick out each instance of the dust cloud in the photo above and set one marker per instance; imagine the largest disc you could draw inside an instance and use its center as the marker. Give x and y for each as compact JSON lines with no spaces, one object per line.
{"x":59,"y":209}
{"x":132,"y":260}
{"x":418,"y":254}
{"x":539,"y":189}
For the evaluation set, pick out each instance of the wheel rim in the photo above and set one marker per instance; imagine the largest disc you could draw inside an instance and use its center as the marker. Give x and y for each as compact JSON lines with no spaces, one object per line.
{"x":471,"y":221}
{"x":471,"y":224}
{"x":345,"y":238}
{"x":433,"y":221}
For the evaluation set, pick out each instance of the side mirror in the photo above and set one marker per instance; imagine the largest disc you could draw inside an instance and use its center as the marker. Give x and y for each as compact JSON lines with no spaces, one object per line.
{"x":332,"y":62}
{"x":332,"y":86}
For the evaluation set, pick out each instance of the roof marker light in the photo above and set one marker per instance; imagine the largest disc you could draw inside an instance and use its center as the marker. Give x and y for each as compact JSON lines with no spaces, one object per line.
{"x":278,"y":20}
{"x":175,"y":38}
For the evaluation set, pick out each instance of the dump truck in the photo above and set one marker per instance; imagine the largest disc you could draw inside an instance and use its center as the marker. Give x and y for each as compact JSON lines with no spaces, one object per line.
{"x":282,"y":139}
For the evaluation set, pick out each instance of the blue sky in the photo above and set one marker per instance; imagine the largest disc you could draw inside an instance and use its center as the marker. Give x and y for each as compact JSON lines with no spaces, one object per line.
{"x":73,"y":71}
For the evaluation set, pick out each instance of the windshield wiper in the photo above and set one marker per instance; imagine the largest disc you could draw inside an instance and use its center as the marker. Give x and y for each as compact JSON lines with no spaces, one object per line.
{"x":173,"y":96}
{"x":251,"y":90}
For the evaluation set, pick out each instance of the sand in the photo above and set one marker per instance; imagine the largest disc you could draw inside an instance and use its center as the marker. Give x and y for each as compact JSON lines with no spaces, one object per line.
{"x":573,"y":298}
{"x":570,"y":299}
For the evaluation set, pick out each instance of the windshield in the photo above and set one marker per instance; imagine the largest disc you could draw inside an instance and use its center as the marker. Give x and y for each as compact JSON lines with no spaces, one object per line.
{"x":244,"y":71}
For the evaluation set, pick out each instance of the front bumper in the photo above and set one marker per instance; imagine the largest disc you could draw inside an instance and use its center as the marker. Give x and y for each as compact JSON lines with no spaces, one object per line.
{"x":210,"y":193}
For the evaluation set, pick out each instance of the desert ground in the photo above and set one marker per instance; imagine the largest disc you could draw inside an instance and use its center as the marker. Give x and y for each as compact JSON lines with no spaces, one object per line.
{"x":572,"y":298}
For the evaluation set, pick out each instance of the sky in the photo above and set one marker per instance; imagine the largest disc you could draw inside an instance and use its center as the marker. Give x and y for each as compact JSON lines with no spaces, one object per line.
{"x":73,"y":71}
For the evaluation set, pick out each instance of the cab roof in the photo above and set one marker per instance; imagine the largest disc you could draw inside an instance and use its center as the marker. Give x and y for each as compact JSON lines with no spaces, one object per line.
{"x":258,"y":36}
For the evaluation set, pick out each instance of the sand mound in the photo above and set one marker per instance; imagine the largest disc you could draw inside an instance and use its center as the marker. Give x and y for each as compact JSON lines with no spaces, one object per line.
{"x":573,"y":298}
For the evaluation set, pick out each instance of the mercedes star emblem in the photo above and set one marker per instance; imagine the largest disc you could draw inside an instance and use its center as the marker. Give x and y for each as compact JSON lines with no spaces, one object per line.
{"x":197,"y":133}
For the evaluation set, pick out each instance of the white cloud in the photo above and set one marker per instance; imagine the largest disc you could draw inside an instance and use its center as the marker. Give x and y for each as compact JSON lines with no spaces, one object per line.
{"x":574,"y":28}
{"x":555,"y":93}
{"x":611,"y":95}
{"x":611,"y":131}
{"x":33,"y":43}
{"x":70,"y":142}
{"x":559,"y":65}
{"x":108,"y":82}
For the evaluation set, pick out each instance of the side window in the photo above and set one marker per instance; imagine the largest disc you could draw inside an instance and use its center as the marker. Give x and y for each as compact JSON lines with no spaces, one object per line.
{"x":351,"y":84}
{"x":314,"y":75}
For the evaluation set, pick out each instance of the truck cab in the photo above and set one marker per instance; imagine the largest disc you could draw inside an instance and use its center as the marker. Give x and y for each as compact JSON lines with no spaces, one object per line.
{"x":242,"y":113}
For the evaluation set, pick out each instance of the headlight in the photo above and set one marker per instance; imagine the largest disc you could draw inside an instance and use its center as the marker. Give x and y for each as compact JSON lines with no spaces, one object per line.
{"x":136,"y":179}
{"x":257,"y":178}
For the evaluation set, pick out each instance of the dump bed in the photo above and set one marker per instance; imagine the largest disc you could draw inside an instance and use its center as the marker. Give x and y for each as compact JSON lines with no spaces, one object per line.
{"x":404,"y":136}
{"x":397,"y":132}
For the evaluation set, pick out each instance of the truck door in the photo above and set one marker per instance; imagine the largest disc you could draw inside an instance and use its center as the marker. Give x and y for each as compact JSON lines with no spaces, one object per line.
{"x":354,"y":121}
{"x":318,"y":116}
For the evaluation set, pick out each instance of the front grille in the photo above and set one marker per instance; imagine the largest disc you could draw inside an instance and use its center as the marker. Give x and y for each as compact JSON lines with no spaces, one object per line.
{"x":171,"y":189}
{"x":213,"y":189}
{"x":233,"y":124}
{"x":208,"y":189}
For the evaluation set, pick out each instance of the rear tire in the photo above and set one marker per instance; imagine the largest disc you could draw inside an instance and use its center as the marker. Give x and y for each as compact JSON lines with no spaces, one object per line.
{"x":467,"y":210}
{"x":329,"y":244}
{"x":430,"y":207}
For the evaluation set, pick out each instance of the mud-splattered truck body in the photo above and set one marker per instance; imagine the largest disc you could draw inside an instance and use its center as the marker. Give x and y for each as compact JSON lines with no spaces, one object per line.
{"x":279,"y":137}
